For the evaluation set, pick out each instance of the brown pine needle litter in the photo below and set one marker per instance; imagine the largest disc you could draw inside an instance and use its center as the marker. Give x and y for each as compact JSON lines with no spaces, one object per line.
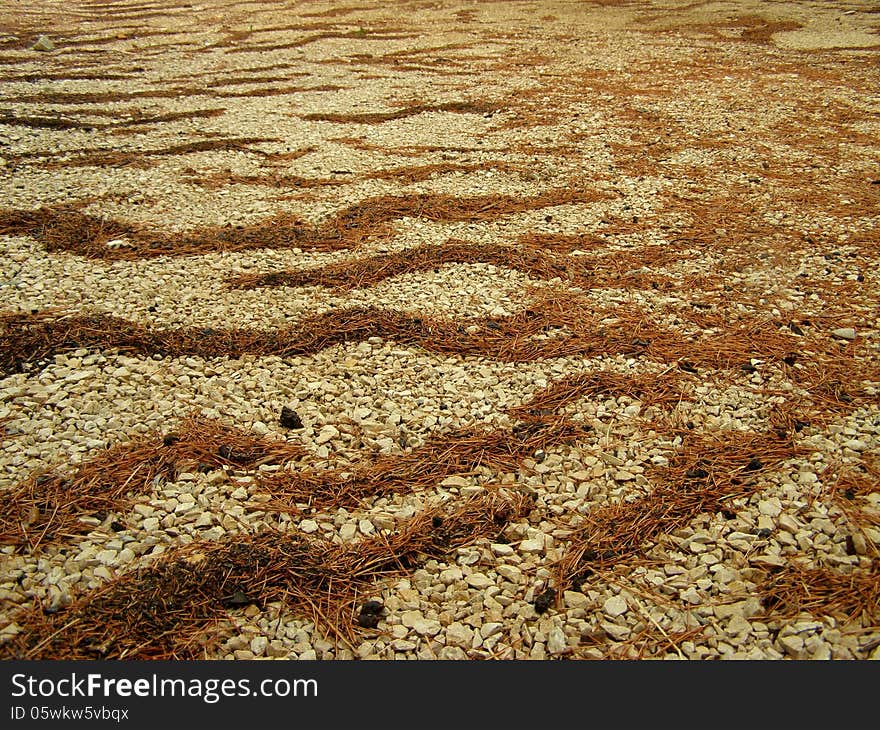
{"x":403,"y":113}
{"x":63,"y":228}
{"x":707,"y":471}
{"x":161,"y":611}
{"x":612,"y":269}
{"x":520,"y":337}
{"x":549,"y":327}
{"x":46,"y":508}
{"x":458,"y":452}
{"x":793,"y":590}
{"x":649,"y":388}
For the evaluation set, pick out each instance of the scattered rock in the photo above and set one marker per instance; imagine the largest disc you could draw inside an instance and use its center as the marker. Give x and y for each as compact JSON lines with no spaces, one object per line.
{"x":327,"y":433}
{"x":556,"y":641}
{"x":545,"y":600}
{"x":44,"y":43}
{"x":615,"y":606}
{"x":290,"y":418}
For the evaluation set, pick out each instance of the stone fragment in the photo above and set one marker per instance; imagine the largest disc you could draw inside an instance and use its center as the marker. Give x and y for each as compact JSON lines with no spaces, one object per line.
{"x":308,"y":526}
{"x":692,"y":596}
{"x":615,"y":606}
{"x":327,"y":433}
{"x":617,"y":632}
{"x":290,"y":418}
{"x":745,"y":609}
{"x":793,"y":645}
{"x":457,"y":634}
{"x":44,"y":43}
{"x":575,"y":599}
{"x":480,"y":581}
{"x":844,"y":333}
{"x":533,"y":545}
{"x":455,"y":481}
{"x":258,"y":645}
{"x":426,"y":627}
{"x":556,"y":641}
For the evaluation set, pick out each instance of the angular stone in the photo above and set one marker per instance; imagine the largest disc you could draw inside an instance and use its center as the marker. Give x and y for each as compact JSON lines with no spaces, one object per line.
{"x":457,"y":634}
{"x":455,"y":481}
{"x":308,"y":526}
{"x":692,"y":596}
{"x":426,"y":627}
{"x":44,"y":43}
{"x":575,"y":599}
{"x":770,"y":507}
{"x":844,"y":333}
{"x":452,"y":653}
{"x":738,"y":626}
{"x":788,"y":523}
{"x":615,"y":606}
{"x":556,"y":641}
{"x":793,"y":645}
{"x":534,"y":545}
{"x":327,"y":433}
{"x":611,"y":459}
{"x":450,"y":575}
{"x":745,"y":609}
{"x":614,"y":631}
{"x":501,"y":549}
{"x":479,"y":581}
{"x":258,"y":645}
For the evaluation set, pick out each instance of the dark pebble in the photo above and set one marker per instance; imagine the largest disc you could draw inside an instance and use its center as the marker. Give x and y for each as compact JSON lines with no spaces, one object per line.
{"x":290,"y":418}
{"x":545,"y":600}
{"x":239,"y":598}
{"x":368,"y":620}
{"x":373,"y":607}
{"x":696,"y":473}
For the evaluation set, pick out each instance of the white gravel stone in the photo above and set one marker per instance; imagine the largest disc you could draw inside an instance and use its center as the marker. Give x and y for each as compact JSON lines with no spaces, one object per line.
{"x":615,"y":606}
{"x":556,"y":641}
{"x":458,"y":634}
{"x":308,"y":526}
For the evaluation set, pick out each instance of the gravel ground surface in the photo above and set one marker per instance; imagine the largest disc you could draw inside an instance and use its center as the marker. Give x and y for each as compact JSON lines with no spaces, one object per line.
{"x":565,"y":314}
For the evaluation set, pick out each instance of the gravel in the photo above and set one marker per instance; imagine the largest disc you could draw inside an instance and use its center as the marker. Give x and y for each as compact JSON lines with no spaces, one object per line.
{"x":694,"y":593}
